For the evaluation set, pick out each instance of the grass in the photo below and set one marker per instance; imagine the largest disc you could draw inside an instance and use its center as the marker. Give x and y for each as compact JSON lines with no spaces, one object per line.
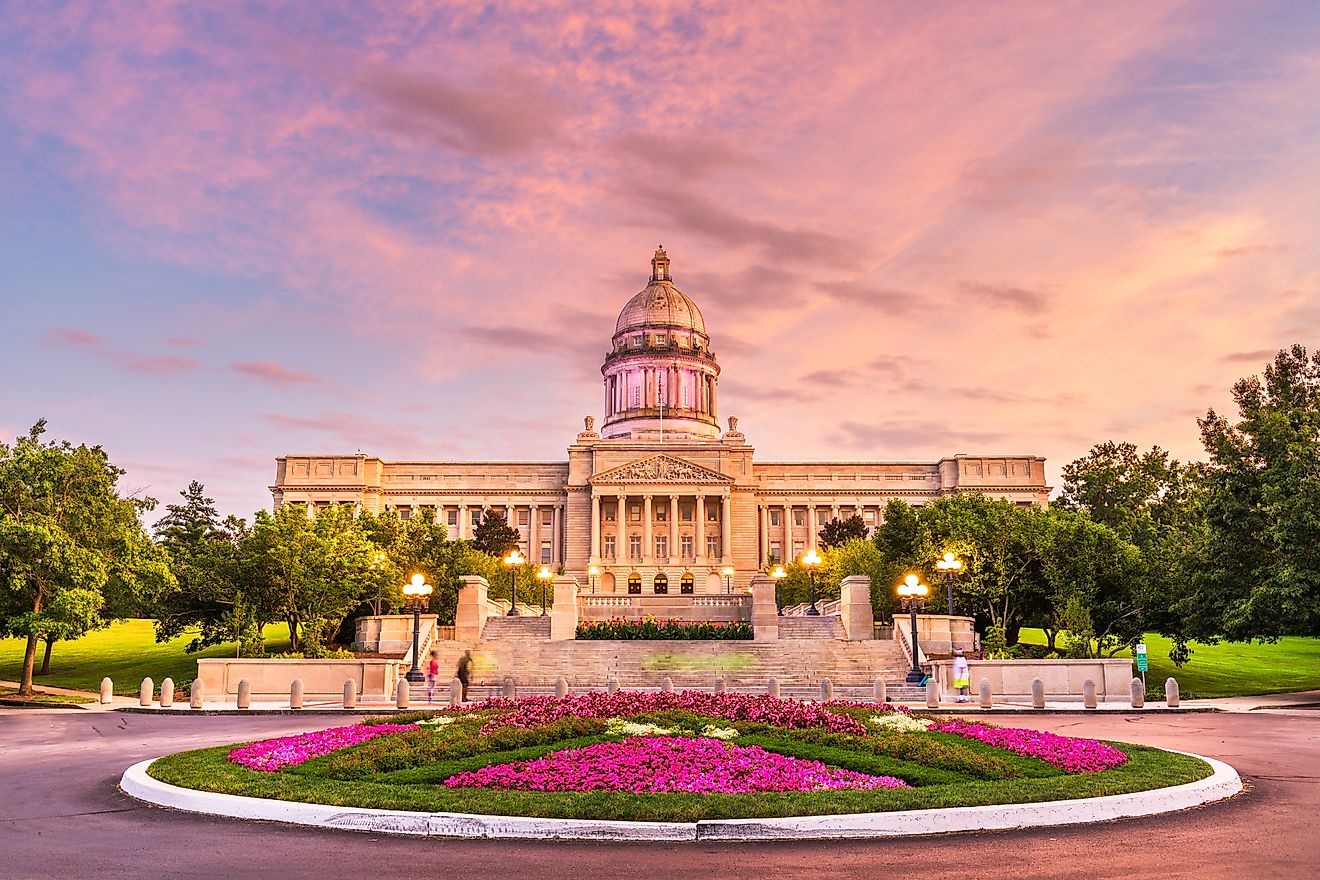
{"x":1227,"y":669}
{"x":127,"y":652}
{"x":11,"y":694}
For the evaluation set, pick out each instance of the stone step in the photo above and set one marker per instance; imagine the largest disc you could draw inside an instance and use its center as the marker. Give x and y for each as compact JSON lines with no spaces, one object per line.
{"x":810,"y":628}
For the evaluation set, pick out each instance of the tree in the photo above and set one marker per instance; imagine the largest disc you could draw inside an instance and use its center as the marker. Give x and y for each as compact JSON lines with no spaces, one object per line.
{"x":1260,"y":574}
{"x":73,"y":553}
{"x":1097,"y":584}
{"x":838,"y":532}
{"x":494,"y":535}
{"x":1137,"y":494}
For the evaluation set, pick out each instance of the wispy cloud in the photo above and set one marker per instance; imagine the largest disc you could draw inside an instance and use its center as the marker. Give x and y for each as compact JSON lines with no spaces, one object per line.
{"x":133,"y":362}
{"x":271,"y":371}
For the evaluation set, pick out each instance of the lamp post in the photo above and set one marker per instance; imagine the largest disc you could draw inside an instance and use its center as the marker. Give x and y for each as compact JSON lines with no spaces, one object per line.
{"x":778,"y":574}
{"x":949,"y":566}
{"x":544,"y":576}
{"x":728,"y":578}
{"x":810,"y":560}
{"x":415,"y":592}
{"x":912,"y":592}
{"x":592,"y":573}
{"x":513,"y":560}
{"x":377,"y":563}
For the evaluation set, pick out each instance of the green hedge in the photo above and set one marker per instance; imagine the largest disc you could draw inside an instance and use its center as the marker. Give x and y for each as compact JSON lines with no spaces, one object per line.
{"x":650,"y":628}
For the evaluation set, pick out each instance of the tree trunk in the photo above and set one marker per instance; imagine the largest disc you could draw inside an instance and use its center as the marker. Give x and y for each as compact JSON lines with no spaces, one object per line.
{"x":29,"y":660}
{"x":293,"y":635}
{"x":1050,"y":636}
{"x":45,"y":660}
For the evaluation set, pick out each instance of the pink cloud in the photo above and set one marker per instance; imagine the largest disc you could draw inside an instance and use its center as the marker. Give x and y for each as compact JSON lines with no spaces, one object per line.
{"x":270,"y":371}
{"x":133,"y":362}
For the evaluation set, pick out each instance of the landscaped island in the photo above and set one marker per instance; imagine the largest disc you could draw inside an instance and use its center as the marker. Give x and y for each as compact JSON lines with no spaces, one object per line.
{"x":677,"y":757}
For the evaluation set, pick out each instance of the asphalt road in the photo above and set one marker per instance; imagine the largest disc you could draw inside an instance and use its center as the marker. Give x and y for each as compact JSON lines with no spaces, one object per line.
{"x":61,"y":815}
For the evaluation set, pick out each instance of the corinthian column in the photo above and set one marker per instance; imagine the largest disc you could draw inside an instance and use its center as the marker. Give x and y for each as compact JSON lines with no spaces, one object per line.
{"x":726,"y":528}
{"x":595,"y":527}
{"x":673,"y":528}
{"x":700,"y":516}
{"x":648,"y":549}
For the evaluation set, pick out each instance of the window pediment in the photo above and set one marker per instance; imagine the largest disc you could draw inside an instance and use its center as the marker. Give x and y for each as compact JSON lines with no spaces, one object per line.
{"x":660,"y":469}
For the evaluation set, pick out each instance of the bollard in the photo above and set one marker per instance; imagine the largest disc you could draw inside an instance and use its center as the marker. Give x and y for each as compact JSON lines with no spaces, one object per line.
{"x":296,"y":694}
{"x":561,"y":687}
{"x":932,"y":693}
{"x":244,"y":693}
{"x":144,"y":692}
{"x":667,"y":685}
{"x":107,"y":691}
{"x":167,"y":693}
{"x":719,"y":686}
{"x":1037,"y":694}
{"x":983,"y":691}
{"x":510,"y":688}
{"x":1138,"y":694}
{"x":195,"y":697}
{"x":612,"y":685}
{"x":401,"y":694}
{"x":1088,"y":694}
{"x":772,"y":687}
{"x":350,"y":694}
{"x":455,"y":692}
{"x":826,"y":690}
{"x":881,"y":693}
{"x":1171,"y":693}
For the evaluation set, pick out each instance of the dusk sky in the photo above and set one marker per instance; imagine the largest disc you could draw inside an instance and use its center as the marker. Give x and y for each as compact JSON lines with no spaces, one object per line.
{"x":230,"y":232}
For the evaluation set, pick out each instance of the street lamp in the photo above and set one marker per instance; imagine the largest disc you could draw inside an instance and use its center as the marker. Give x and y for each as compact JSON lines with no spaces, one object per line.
{"x":513,"y":560}
{"x":810,"y":560}
{"x":728,"y":578}
{"x":544,"y":576}
{"x":593,"y":572}
{"x":778,"y":574}
{"x":416,"y":592}
{"x":912,"y":592}
{"x":950,"y":565}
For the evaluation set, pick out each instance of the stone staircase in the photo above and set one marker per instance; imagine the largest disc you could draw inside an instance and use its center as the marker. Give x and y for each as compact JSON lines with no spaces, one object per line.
{"x":810,"y":628}
{"x":524,"y":628}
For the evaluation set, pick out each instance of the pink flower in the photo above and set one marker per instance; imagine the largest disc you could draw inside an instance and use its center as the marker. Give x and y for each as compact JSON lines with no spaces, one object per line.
{"x":1068,"y":753}
{"x":270,"y":755}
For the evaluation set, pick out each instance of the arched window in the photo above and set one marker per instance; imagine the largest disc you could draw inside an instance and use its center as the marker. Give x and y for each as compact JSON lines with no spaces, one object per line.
{"x":634,"y":583}
{"x":661,"y":584}
{"x":685,"y":585}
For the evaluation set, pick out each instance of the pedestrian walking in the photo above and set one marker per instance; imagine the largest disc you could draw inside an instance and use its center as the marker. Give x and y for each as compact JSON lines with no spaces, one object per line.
{"x":962,"y":677}
{"x":432,"y":673}
{"x":464,"y":673}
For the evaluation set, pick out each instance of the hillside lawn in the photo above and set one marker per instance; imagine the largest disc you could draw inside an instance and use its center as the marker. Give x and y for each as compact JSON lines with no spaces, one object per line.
{"x":1228,"y":669}
{"x":127,"y":652}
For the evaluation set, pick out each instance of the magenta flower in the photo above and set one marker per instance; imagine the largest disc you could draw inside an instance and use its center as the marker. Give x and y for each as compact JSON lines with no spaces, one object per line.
{"x":270,"y":755}
{"x":658,"y":764}
{"x":1073,"y":754}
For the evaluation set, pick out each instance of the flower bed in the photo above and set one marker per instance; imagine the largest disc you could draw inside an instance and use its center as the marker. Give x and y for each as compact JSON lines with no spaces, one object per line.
{"x":1068,"y":753}
{"x":663,"y":764}
{"x":651,"y":628}
{"x":271,"y":755}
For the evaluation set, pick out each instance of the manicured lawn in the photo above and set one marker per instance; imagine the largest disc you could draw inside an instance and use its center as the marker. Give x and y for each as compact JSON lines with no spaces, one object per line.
{"x":1228,"y":669}
{"x":9,"y":693}
{"x":127,"y":652}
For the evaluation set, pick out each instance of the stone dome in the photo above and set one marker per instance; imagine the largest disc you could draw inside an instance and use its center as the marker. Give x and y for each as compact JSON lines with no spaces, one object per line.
{"x":661,"y":304}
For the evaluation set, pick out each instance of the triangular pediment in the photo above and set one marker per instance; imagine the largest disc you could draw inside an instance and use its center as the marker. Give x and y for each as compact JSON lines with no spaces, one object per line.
{"x":659,"y":469}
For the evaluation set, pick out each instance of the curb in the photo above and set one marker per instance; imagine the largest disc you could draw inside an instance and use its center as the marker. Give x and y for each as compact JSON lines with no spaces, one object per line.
{"x":1223,"y":783}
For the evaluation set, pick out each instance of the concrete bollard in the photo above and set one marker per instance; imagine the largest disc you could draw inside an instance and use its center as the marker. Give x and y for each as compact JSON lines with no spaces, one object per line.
{"x":772,"y":687}
{"x":612,"y":686}
{"x":510,"y":688}
{"x":402,"y":692}
{"x":350,"y":694}
{"x":719,"y":686}
{"x":144,"y":692}
{"x":1171,"y":693}
{"x":244,"y":693}
{"x":1088,"y":694}
{"x":107,"y":691}
{"x":455,"y":692}
{"x":667,"y":685}
{"x":1037,"y":694}
{"x":167,"y":693}
{"x":197,"y":694}
{"x":296,"y":694}
{"x":1138,"y":694}
{"x":561,"y":687}
{"x":826,"y":690}
{"x":983,"y":693}
{"x":880,"y":693}
{"x":932,"y":694}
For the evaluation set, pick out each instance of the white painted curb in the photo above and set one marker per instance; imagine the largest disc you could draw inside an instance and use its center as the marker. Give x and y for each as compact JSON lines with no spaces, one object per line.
{"x":1223,"y":783}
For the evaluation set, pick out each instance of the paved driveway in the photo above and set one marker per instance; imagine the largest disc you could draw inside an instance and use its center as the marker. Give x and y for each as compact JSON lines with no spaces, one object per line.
{"x":61,"y":815}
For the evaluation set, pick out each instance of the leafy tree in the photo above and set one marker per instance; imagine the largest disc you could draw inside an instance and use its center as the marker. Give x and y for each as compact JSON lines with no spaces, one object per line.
{"x":1140,"y":495}
{"x":838,"y":532}
{"x":1097,"y":583}
{"x":73,"y":553}
{"x":494,"y":535}
{"x":1260,"y":575}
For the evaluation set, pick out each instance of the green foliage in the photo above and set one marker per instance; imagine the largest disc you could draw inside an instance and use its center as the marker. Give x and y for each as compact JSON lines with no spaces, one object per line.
{"x":73,"y":554}
{"x":494,"y":535}
{"x":650,"y":628}
{"x":838,"y":532}
{"x":1097,"y":581}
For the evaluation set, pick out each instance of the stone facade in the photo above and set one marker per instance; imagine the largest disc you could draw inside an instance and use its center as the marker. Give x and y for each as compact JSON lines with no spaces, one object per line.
{"x":659,"y":501}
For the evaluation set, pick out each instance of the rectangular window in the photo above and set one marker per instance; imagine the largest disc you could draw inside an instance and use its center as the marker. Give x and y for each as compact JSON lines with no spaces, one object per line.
{"x":545,"y":552}
{"x":662,"y":546}
{"x":712,"y":545}
{"x":637,"y":397}
{"x":799,"y":517}
{"x":634,"y":513}
{"x":609,"y":511}
{"x":607,"y":551}
{"x":662,"y":513}
{"x":685,"y":512}
{"x":524,"y":517}
{"x":869,"y":516}
{"x":548,"y":517}
{"x":712,"y":513}
{"x":634,"y":546}
{"x":476,"y":517}
{"x":776,"y":551}
{"x":685,"y":543}
{"x":451,"y":517}
{"x":798,"y":549}
{"x":774,"y":517}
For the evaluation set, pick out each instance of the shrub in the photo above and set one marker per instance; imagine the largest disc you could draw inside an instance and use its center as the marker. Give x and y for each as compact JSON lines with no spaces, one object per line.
{"x":651,"y":628}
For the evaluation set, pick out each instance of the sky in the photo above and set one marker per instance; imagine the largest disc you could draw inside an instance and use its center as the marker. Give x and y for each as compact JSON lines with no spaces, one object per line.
{"x":233,"y":231}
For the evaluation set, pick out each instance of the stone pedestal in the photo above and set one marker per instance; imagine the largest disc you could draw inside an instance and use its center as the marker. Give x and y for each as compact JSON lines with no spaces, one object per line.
{"x":855,"y":608}
{"x":765,"y":614}
{"x":564,"y":616}
{"x":470,"y":615}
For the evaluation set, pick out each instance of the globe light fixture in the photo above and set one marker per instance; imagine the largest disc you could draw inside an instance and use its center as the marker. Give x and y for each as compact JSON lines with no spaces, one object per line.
{"x":592,"y":573}
{"x":810,"y":560}
{"x":415,"y":593}
{"x":778,"y":574}
{"x":912,"y":592}
{"x":949,"y":567}
{"x":513,"y":561}
{"x":728,"y":578}
{"x":545,"y":575}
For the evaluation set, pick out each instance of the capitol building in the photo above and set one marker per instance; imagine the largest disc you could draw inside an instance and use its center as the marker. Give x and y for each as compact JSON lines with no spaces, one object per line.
{"x":660,"y":497}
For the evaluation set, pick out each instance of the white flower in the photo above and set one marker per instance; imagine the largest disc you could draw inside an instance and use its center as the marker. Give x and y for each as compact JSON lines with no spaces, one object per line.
{"x":718,"y":732}
{"x":437,"y":721}
{"x":901,"y":723}
{"x":620,"y":727}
